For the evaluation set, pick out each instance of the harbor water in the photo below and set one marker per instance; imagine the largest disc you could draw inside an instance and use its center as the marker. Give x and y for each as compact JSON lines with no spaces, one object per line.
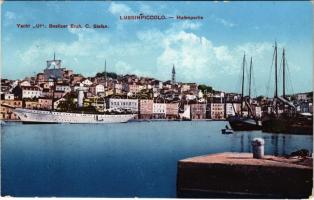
{"x":136,"y":159}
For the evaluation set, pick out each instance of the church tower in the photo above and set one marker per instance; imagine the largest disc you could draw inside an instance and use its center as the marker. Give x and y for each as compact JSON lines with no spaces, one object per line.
{"x":173,"y":78}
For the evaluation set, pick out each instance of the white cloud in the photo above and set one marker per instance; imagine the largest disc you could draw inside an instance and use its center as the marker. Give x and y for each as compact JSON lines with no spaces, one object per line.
{"x":151,"y":53}
{"x":9,"y":18}
{"x":120,"y":9}
{"x":225,"y":22}
{"x":10,"y":15}
{"x":186,"y":25}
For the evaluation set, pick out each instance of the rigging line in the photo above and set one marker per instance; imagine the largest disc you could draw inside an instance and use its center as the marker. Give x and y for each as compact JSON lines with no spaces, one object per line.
{"x":247,"y":76}
{"x":254,"y":83}
{"x":237,"y":86}
{"x":289,"y":76}
{"x":269,"y":76}
{"x":280,"y":73}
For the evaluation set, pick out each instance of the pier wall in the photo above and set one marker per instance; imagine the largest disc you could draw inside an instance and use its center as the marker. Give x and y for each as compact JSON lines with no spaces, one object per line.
{"x":235,"y":175}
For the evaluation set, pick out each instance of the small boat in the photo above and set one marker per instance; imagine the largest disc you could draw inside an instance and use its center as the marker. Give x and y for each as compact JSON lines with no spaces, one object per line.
{"x":227,"y":130}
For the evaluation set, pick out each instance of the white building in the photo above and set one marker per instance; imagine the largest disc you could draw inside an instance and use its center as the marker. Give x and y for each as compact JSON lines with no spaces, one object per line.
{"x":77,"y":86}
{"x":159,"y":108}
{"x":8,"y":96}
{"x":190,"y":97}
{"x":125,"y":104}
{"x":96,"y":89}
{"x":31,"y":92}
{"x":64,"y":88}
{"x":99,"y":88}
{"x":230,"y":109}
{"x":87,"y":82}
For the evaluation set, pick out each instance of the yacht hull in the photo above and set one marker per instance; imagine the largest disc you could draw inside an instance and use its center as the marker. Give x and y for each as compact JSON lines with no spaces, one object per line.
{"x":50,"y":117}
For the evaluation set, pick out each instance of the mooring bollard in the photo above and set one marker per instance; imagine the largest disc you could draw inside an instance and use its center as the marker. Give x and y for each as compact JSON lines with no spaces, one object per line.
{"x":258,"y":147}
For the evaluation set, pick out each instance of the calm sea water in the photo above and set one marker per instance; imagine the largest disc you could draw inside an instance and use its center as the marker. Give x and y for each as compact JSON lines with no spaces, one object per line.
{"x":116,"y":160}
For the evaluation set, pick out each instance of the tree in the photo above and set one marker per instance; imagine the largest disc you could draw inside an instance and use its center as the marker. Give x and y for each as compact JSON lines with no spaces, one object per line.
{"x":109,"y":75}
{"x":204,"y":88}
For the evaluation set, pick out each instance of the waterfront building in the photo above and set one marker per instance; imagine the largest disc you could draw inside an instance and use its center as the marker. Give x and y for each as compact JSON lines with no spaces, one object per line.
{"x":230,"y":110}
{"x":198,"y":111}
{"x":146,"y":108}
{"x":159,"y":110}
{"x":7,"y":113}
{"x":172,"y":110}
{"x":217,"y":111}
{"x":123,"y":104}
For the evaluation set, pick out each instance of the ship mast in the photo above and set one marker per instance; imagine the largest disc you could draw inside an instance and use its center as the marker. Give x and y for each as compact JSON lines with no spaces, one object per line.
{"x":250,"y":79}
{"x":276,"y":83}
{"x":242,"y":92}
{"x":105,"y":74}
{"x":283,"y":74}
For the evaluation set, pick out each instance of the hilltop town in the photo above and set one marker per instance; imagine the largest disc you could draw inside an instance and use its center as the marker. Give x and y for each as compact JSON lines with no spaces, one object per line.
{"x":56,"y":89}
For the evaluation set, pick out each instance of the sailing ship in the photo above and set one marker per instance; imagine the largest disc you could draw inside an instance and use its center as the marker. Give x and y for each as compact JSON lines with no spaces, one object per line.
{"x":239,"y":122}
{"x":289,"y":121}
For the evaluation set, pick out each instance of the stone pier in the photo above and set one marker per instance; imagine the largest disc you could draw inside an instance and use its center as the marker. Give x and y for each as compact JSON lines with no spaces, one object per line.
{"x":239,"y":175}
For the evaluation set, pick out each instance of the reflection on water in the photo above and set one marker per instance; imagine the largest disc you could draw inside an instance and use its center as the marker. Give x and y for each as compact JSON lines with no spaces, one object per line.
{"x":117,"y":160}
{"x":275,"y":144}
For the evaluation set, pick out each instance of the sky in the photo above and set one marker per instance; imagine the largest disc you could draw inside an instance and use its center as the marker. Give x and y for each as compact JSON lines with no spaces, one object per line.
{"x":208,"y":51}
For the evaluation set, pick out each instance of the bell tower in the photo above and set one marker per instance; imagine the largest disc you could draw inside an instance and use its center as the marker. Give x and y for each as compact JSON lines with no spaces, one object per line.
{"x":173,"y":78}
